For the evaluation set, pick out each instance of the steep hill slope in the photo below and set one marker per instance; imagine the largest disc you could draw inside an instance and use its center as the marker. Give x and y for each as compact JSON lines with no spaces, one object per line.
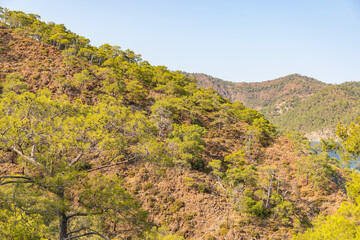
{"x":99,"y":134}
{"x":39,"y":63}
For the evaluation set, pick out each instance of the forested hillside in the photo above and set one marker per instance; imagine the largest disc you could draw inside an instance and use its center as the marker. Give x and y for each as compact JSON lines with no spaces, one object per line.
{"x":97,"y":143}
{"x":273,"y":97}
{"x":324,"y":109}
{"x":294,"y":102}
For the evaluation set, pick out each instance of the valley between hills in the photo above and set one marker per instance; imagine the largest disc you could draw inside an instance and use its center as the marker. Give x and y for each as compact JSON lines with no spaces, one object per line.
{"x":97,"y":143}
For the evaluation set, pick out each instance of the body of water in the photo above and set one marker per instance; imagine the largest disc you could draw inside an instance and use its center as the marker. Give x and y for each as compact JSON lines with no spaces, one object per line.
{"x":331,"y":153}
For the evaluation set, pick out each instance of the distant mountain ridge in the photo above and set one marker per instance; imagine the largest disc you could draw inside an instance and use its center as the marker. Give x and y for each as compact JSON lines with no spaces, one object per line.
{"x":322,"y":111}
{"x":294,"y":102}
{"x":262,"y":94}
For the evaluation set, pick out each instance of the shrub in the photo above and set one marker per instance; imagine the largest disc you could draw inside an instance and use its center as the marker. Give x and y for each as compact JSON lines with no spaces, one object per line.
{"x":175,"y":206}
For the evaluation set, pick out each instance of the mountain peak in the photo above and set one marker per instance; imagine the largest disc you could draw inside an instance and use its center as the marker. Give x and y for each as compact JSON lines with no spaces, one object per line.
{"x":261,"y":94}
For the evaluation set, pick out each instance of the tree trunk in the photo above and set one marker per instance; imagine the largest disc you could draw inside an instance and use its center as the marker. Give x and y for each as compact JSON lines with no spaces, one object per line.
{"x":63,"y":222}
{"x":269,"y":191}
{"x":63,"y":226}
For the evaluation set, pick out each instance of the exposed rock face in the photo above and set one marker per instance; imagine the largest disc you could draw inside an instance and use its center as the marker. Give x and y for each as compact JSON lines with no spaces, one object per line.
{"x":316,"y":136}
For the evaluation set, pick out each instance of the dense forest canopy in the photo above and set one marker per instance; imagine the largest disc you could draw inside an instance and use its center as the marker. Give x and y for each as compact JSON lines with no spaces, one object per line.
{"x":96,"y":142}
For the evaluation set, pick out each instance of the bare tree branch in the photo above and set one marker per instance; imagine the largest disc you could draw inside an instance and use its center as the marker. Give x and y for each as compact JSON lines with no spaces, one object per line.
{"x":87,"y":234}
{"x":76,"y":159}
{"x":112,"y":159}
{"x":33,"y":151}
{"x":21,"y":179}
{"x":82,"y":214}
{"x":219,"y":183}
{"x":5,"y":131}
{"x":29,"y":159}
{"x":76,"y":231}
{"x":77,"y":215}
{"x":9,"y":182}
{"x":82,"y":154}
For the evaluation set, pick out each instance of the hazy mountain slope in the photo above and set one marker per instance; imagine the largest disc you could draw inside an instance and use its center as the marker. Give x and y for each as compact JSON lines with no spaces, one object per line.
{"x":295,"y":102}
{"x":273,"y":97}
{"x":200,"y":165}
{"x":224,"y":88}
{"x":324,"y":109}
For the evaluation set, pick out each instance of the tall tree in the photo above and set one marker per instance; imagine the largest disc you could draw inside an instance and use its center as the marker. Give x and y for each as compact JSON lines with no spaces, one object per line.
{"x":60,"y":145}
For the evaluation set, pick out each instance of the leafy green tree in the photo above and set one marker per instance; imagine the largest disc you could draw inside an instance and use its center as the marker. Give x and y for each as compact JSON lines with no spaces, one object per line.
{"x":161,"y":116}
{"x":282,"y":210}
{"x":82,"y":79}
{"x":237,"y":177}
{"x":113,"y":83}
{"x":317,"y":168}
{"x":135,"y":91}
{"x":14,"y":83}
{"x":221,"y":119}
{"x":187,"y":145}
{"x":59,"y":144}
{"x":60,"y":37}
{"x":70,"y":58}
{"x":249,"y":205}
{"x":105,"y":52}
{"x":348,"y":145}
{"x":265,"y":127}
{"x":267,"y":181}
{"x":2,"y":12}
{"x":238,"y":172}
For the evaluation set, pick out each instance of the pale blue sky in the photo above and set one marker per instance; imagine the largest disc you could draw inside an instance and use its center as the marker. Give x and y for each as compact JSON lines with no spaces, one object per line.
{"x":244,"y":40}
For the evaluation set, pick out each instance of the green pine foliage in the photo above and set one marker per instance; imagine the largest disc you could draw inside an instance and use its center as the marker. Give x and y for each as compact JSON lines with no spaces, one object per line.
{"x":55,"y":140}
{"x":187,"y":144}
{"x":111,"y":108}
{"x":317,"y":168}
